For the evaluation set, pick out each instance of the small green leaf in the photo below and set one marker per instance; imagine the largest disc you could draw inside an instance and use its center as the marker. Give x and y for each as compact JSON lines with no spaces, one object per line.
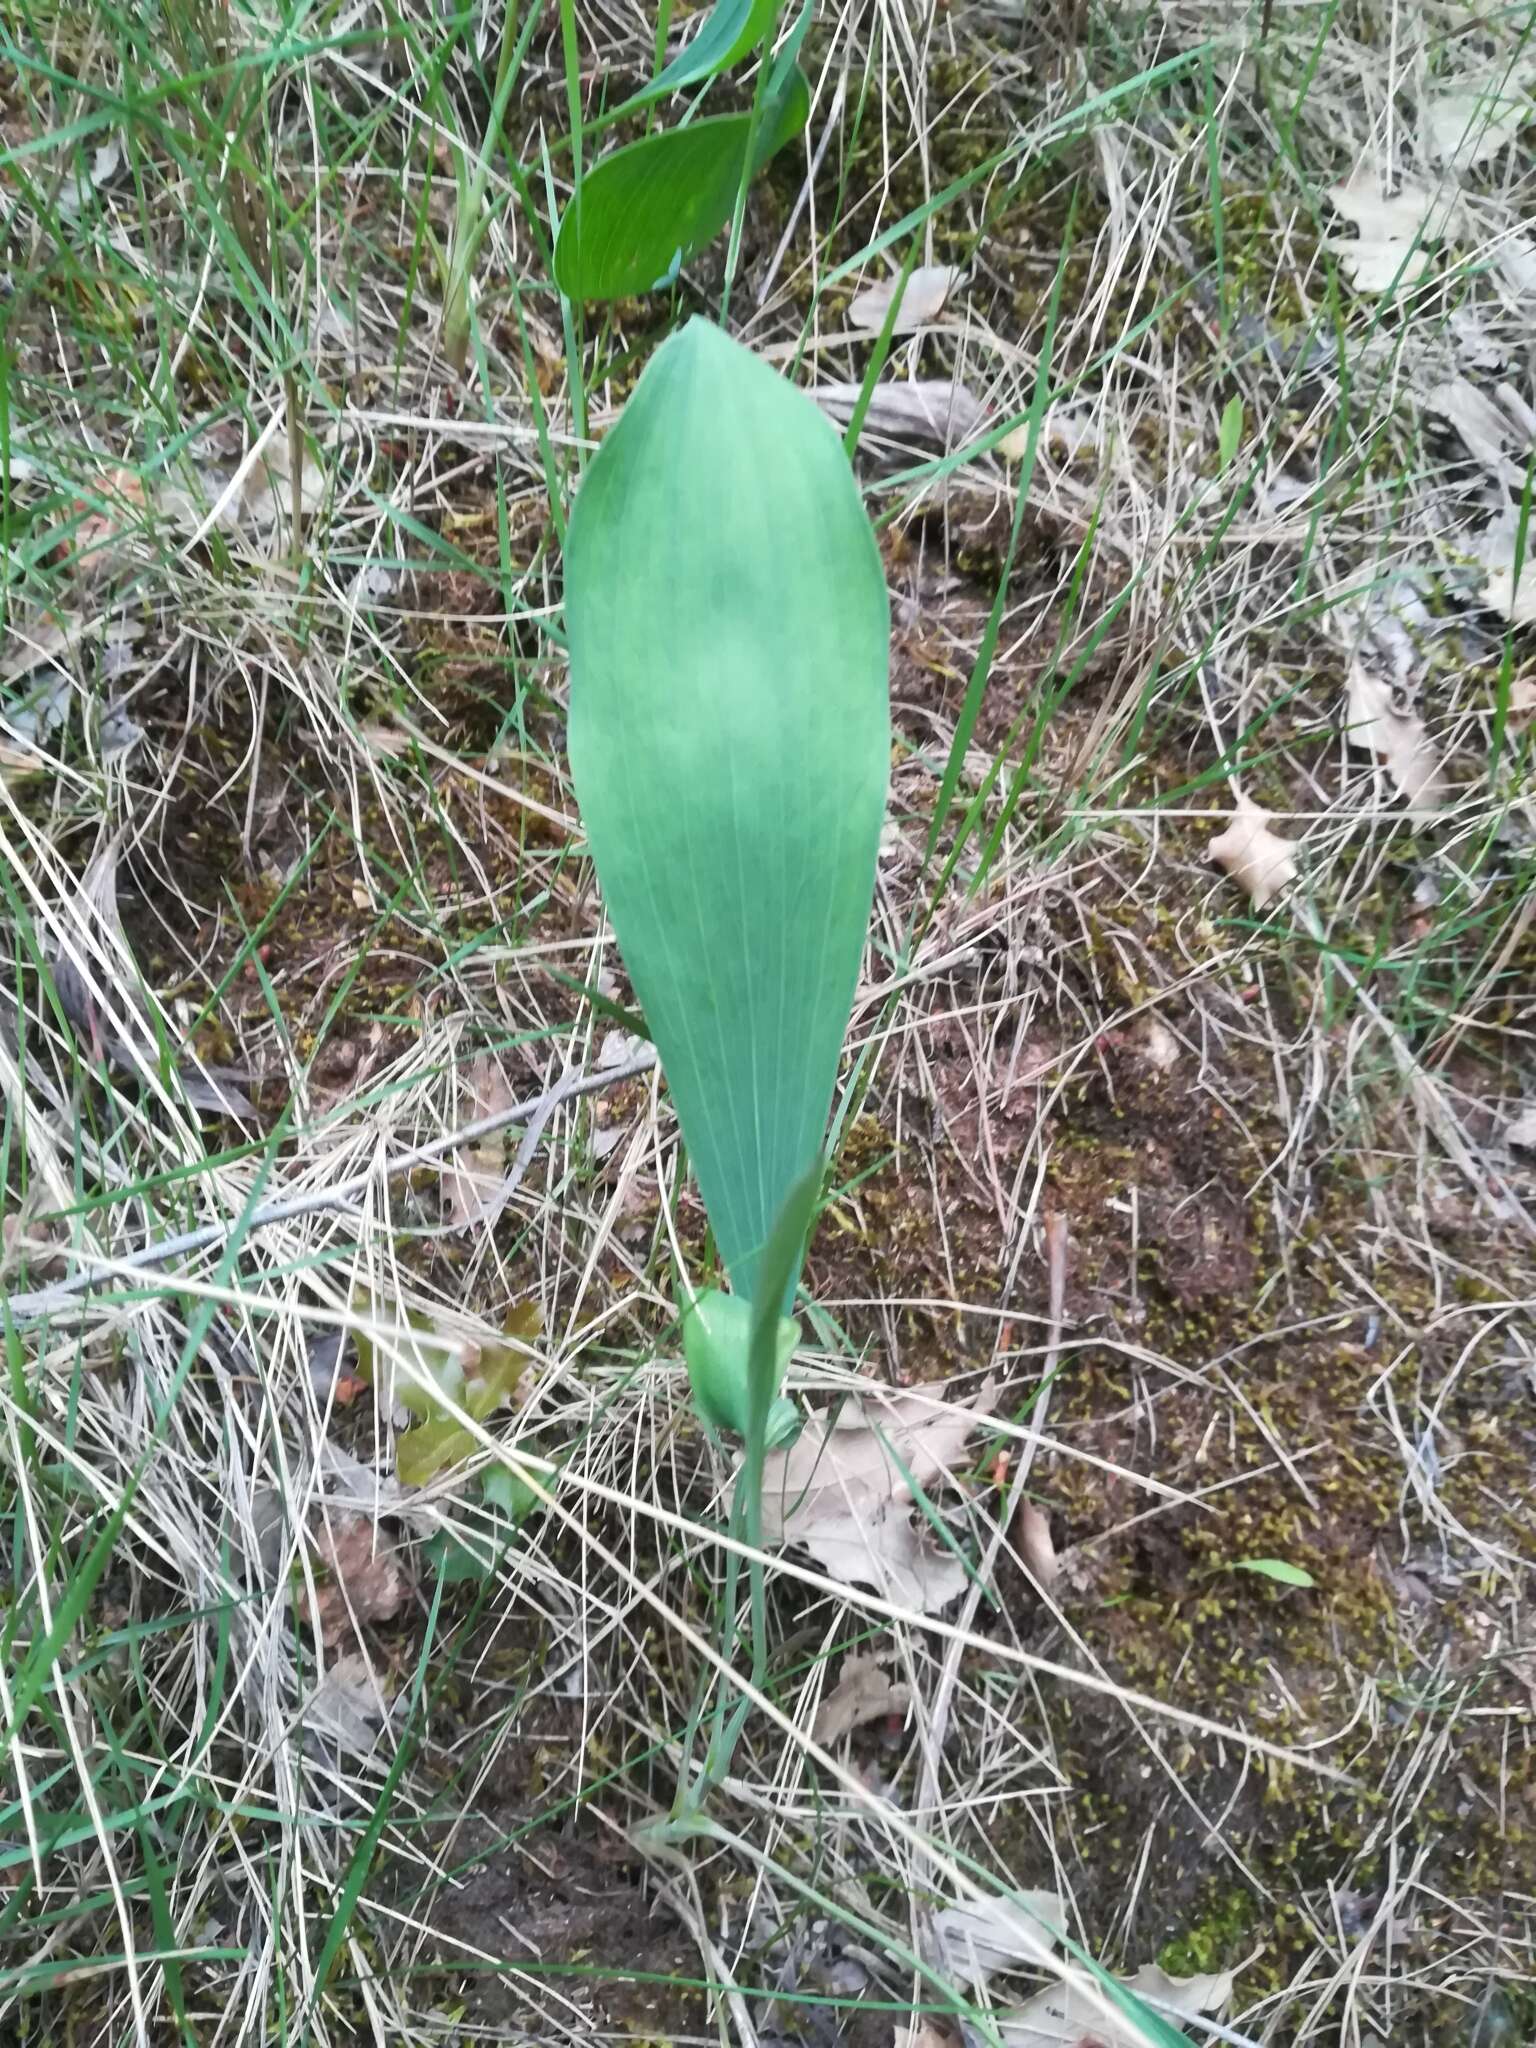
{"x":730,"y":743}
{"x":735,"y":27}
{"x":475,"y":1555}
{"x":1230,"y":436}
{"x":717,"y":1343}
{"x":479,"y":1378}
{"x":1275,"y":1568}
{"x":643,"y":210}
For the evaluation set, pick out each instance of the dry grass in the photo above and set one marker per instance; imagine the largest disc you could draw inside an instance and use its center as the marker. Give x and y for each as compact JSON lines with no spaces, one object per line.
{"x":322,"y":762}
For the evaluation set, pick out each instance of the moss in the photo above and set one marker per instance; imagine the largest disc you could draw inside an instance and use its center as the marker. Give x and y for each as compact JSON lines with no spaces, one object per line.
{"x":1214,"y":1942}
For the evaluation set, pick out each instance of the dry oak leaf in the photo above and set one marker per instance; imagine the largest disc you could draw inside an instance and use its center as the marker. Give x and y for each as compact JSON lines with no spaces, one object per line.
{"x":844,"y":1490}
{"x":1392,"y":232}
{"x":365,"y":1579}
{"x":1396,"y":737}
{"x":1061,"y":2017}
{"x":864,"y":1692}
{"x":346,"y":1707}
{"x":1257,"y":859}
{"x":1475,"y":120}
{"x":971,"y":1943}
{"x":475,"y":1173}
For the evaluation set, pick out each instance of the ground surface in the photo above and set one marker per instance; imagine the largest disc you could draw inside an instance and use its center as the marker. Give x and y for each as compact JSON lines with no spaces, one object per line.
{"x":1229,"y":1202}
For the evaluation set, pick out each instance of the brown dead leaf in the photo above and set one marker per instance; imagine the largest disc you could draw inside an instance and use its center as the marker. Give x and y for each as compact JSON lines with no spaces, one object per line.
{"x":1063,"y":2017}
{"x":36,"y":1244}
{"x":1512,"y":597}
{"x":474,"y":1175}
{"x":928,"y":288}
{"x":1259,"y":860}
{"x":347,"y":1708}
{"x":1394,"y":736}
{"x":864,"y":1692}
{"x":925,"y":409}
{"x":921,"y":2034}
{"x":1032,"y":1533}
{"x":364,"y":1579}
{"x":844,"y":1489}
{"x":101,"y":993}
{"x":1392,"y":250}
{"x":974,"y":1941}
{"x":96,"y":546}
{"x":44,"y":641}
{"x":1160,"y":1046}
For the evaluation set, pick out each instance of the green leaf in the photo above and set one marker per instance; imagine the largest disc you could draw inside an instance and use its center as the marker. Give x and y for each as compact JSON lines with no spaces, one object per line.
{"x":777,"y":1273}
{"x":478,"y":1377}
{"x":717,"y":1343}
{"x":1275,"y":1568}
{"x":1230,"y":433}
{"x":643,"y":210}
{"x":735,"y":27}
{"x":730,"y":744}
{"x":458,"y":1559}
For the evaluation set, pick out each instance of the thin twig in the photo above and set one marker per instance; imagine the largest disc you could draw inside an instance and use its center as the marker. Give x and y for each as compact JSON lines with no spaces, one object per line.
{"x":536,"y":1112}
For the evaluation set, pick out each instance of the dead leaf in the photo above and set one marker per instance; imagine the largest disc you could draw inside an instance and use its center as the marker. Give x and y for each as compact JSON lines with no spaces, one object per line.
{"x":1475,"y":120}
{"x":1259,"y":860}
{"x":1513,"y":599}
{"x":1067,"y":427}
{"x":365,"y":1579}
{"x":96,"y":545}
{"x":32,"y":1243}
{"x":1161,"y":1047}
{"x":474,"y":1175}
{"x":1390,"y":249}
{"x":864,"y":1692}
{"x":928,"y":289}
{"x":329,"y":1370}
{"x":974,"y":1941}
{"x":75,"y":192}
{"x":267,"y":493}
{"x":940,"y":410}
{"x":1032,"y":1533}
{"x":1396,"y":737}
{"x":385,"y":740}
{"x":102,"y":995}
{"x":1062,"y":2017}
{"x":920,"y":2034}
{"x":844,"y":1490}
{"x":43,"y":642}
{"x":1516,"y":258}
{"x":347,"y":1707}
{"x":1522,"y":1131}
{"x":1492,"y":434}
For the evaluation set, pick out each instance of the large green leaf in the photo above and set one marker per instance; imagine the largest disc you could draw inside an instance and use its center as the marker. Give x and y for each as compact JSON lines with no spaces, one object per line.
{"x":730,"y":741}
{"x":644,"y":209}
